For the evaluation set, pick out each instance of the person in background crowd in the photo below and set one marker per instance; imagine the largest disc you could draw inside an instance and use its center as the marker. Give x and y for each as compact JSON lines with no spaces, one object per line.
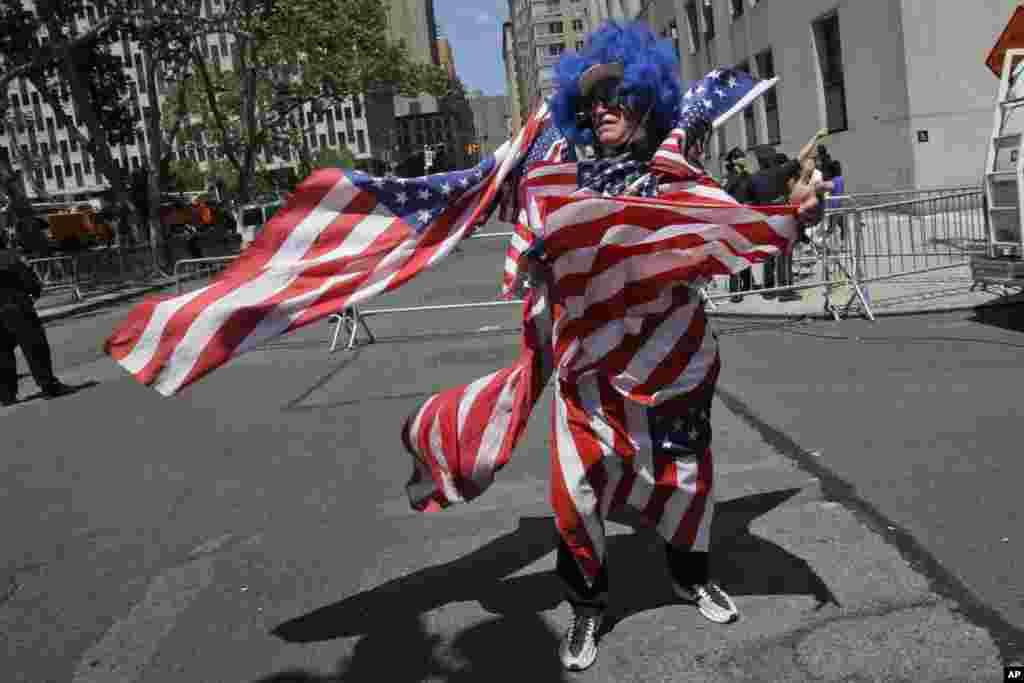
{"x":20,"y":326}
{"x":768,"y":186}
{"x":806,"y":185}
{"x":834,"y":184}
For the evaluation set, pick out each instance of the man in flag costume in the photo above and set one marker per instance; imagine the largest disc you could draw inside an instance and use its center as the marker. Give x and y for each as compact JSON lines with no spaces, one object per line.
{"x":608,"y":254}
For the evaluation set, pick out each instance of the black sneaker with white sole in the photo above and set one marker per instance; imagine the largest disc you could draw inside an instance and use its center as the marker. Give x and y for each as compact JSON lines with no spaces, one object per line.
{"x":578,"y":649}
{"x":711,"y":601}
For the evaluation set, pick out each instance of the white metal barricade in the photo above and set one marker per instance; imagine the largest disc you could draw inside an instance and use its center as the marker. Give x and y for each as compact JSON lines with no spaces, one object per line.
{"x":870,"y":238}
{"x":200,"y":267}
{"x":57,"y":273}
{"x":352,"y":318}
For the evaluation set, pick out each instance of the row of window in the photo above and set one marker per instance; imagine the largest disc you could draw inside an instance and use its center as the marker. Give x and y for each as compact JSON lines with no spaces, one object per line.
{"x":556,"y":28}
{"x":829,"y":51}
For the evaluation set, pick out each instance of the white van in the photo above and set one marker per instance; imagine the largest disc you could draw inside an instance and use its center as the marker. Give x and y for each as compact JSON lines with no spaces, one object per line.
{"x":252,"y":217}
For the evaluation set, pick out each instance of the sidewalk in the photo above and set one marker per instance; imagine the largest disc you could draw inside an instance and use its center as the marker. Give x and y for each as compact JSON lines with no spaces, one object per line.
{"x":936,"y":292}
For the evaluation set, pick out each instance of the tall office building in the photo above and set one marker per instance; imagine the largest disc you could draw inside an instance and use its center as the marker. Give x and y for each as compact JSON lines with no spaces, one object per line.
{"x":508,"y":55}
{"x":427,"y":121}
{"x":909,"y":106}
{"x":543,"y":29}
{"x":445,"y":57}
{"x":491,"y":120}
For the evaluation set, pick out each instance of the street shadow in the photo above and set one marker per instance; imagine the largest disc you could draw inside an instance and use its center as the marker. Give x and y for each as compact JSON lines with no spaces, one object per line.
{"x":296,"y":403}
{"x":389,"y":617}
{"x":77,"y":388}
{"x":515,"y":648}
{"x":473,"y":577}
{"x":742,"y":562}
{"x":1006,"y":317}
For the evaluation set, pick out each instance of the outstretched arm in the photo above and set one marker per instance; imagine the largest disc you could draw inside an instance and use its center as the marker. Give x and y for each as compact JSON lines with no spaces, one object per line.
{"x":808,"y":155}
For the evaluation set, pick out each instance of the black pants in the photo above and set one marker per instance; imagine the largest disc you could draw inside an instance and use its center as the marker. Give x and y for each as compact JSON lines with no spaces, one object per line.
{"x":686,"y":567}
{"x":21,"y":326}
{"x":742,"y":281}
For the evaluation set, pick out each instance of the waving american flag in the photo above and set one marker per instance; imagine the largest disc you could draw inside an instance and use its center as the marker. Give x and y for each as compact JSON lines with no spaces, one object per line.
{"x":343,"y":237}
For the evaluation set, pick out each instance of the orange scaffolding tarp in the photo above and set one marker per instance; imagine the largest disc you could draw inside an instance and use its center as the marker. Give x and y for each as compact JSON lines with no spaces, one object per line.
{"x":1011,"y":37}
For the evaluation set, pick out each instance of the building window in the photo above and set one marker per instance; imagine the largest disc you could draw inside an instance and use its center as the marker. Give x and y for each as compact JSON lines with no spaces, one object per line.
{"x":333,"y":137}
{"x":357,"y":107}
{"x":415,"y":109}
{"x":15,"y":101}
{"x":766,"y":70}
{"x":737,"y":8}
{"x":556,"y":27}
{"x":577,"y":25}
{"x":323,"y":140}
{"x":709,"y":22}
{"x":361,"y":137}
{"x":78,"y":174}
{"x":830,"y":57}
{"x":749,"y":120}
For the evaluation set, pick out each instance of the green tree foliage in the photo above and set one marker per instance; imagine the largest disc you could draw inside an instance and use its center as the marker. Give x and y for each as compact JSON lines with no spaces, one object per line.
{"x":184,"y":175}
{"x":290,"y":54}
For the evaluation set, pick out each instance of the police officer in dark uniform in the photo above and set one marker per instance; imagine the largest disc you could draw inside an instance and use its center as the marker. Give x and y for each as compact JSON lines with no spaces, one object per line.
{"x":21,"y":326}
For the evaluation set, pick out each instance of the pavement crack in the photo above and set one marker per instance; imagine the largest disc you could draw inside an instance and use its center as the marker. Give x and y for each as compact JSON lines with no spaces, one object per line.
{"x":10,"y":590}
{"x":1009,"y":639}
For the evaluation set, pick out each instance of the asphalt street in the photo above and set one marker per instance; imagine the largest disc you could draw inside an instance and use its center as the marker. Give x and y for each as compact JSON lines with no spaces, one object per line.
{"x":203,"y":537}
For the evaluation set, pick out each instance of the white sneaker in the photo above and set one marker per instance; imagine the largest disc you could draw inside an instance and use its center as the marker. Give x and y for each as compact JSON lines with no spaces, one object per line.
{"x":711,"y":600}
{"x":578,"y":649}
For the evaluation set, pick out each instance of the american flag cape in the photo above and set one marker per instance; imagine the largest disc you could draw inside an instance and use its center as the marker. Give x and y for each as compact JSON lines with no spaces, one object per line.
{"x":342,"y":238}
{"x":624,"y":337}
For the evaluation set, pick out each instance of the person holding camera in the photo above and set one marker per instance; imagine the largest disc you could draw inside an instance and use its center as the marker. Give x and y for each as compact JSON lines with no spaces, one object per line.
{"x":20,"y":326}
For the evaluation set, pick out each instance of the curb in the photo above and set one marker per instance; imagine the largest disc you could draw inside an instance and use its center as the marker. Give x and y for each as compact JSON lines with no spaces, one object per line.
{"x":878,"y":314}
{"x":795,"y":315}
{"x":49,"y":315}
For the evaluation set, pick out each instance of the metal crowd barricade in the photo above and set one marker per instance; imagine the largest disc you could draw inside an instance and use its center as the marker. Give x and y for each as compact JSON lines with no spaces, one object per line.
{"x":869,"y":238}
{"x":188,"y":269}
{"x":58,"y":273}
{"x":352,"y":318}
{"x":859,"y":244}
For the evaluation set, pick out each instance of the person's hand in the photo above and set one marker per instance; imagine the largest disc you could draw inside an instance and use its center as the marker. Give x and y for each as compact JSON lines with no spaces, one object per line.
{"x":824,"y":186}
{"x":810,"y":213}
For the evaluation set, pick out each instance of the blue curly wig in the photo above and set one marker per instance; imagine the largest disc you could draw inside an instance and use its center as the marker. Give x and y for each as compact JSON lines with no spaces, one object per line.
{"x":651,"y":77}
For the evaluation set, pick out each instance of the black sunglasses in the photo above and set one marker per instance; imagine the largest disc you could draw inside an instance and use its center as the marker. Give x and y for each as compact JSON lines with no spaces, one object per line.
{"x":607,"y":92}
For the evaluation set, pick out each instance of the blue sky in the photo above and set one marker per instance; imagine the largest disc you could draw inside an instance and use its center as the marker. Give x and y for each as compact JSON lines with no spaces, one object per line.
{"x":473,"y":27}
